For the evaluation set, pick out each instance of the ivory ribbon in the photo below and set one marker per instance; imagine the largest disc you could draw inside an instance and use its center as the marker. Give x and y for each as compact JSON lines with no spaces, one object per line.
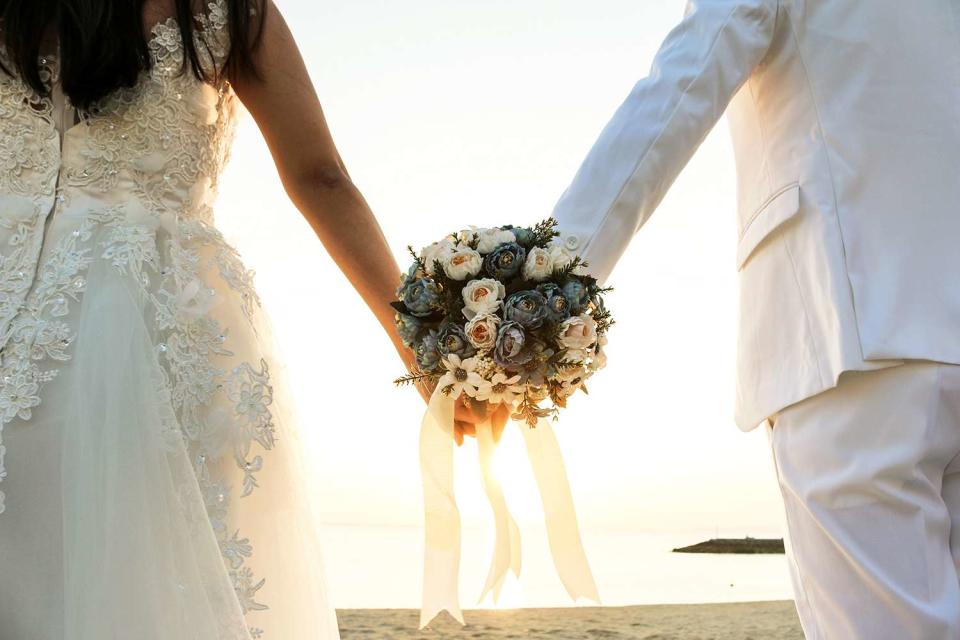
{"x":441,"y":558}
{"x":506,"y":548}
{"x":563,"y":530}
{"x":442,"y":517}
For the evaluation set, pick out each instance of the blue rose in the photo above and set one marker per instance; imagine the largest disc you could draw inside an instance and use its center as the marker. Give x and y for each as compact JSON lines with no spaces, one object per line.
{"x":428,"y":356}
{"x":557,"y":304}
{"x":452,"y":339}
{"x":577,"y":294}
{"x":536,"y":371}
{"x":422,"y":297}
{"x":526,"y":308}
{"x":505,"y":262}
{"x":406,"y":279}
{"x":524,"y":236}
{"x":408,"y":327}
{"x":510,"y":352}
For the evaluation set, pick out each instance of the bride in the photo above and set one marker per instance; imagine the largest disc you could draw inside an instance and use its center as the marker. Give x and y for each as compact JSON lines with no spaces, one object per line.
{"x":149,"y":458}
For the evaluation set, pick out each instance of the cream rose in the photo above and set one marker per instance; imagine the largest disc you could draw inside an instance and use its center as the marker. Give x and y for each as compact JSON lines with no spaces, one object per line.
{"x":490,"y":239}
{"x":599,"y":360}
{"x":482,"y":331}
{"x":438,"y":251}
{"x":482,"y":297}
{"x":578,"y":332}
{"x":467,"y":236}
{"x":539,"y":265}
{"x":463,"y":263}
{"x":559,"y":255}
{"x":576,"y":355}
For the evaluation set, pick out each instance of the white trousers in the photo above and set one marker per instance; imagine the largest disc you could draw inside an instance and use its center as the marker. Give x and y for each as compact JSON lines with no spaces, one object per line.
{"x":870,"y":476}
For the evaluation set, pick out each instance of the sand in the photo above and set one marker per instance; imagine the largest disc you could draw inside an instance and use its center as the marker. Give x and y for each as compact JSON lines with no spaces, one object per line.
{"x":746,"y":621}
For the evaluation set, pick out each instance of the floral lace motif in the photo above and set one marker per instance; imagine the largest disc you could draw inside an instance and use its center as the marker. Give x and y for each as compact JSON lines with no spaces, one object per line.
{"x":162,"y":145}
{"x":29,"y":154}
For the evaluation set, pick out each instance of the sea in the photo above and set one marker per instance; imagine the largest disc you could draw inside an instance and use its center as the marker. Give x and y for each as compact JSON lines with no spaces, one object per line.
{"x":381,"y":567}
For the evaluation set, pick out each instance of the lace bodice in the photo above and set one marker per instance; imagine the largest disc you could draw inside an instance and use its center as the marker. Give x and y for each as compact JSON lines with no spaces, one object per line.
{"x":157,"y":149}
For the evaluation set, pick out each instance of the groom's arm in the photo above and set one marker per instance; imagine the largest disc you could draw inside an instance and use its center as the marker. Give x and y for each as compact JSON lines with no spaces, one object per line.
{"x":701,"y":65}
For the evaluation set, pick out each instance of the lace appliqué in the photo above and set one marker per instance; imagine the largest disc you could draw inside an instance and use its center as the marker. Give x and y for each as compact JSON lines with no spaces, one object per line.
{"x":164,"y":142}
{"x":41,"y":333}
{"x":29,"y":156}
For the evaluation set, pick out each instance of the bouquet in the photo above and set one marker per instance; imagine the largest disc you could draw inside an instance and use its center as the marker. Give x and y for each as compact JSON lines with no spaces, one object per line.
{"x":505,"y":316}
{"x":502,"y":316}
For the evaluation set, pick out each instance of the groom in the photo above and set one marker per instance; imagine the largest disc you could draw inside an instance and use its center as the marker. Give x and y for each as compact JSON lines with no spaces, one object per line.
{"x":846,"y":125}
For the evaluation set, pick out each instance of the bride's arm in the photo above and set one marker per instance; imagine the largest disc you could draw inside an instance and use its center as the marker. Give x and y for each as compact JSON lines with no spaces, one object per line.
{"x":285,"y":106}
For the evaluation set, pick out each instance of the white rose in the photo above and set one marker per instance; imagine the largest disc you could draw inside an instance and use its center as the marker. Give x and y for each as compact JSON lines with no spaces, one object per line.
{"x":539,"y":265}
{"x":463,"y":263}
{"x":490,"y":239}
{"x":482,"y":297}
{"x":599,"y":360}
{"x":438,"y":251}
{"x":578,"y":332}
{"x":576,"y":355}
{"x":469,"y":235}
{"x":559,"y":255}
{"x":482,"y":331}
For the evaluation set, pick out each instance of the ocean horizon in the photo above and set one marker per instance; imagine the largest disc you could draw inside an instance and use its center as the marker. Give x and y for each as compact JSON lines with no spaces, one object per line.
{"x":380,"y":567}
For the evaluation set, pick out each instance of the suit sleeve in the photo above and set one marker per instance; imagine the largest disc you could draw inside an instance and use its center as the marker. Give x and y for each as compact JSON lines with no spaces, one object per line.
{"x":701,"y":65}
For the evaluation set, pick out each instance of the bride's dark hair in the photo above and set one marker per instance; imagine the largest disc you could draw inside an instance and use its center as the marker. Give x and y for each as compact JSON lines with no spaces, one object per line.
{"x":103,"y":46}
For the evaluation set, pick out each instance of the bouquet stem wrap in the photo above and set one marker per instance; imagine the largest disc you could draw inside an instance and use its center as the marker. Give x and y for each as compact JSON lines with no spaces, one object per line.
{"x":442,"y":517}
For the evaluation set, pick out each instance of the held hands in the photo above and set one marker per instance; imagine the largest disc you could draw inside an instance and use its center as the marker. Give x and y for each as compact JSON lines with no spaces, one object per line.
{"x":468,"y":413}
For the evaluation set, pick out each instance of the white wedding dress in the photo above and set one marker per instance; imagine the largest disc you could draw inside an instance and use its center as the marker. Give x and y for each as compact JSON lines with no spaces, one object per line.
{"x":151,"y":487}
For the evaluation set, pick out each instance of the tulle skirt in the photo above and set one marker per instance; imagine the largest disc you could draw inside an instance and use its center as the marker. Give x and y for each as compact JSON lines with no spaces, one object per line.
{"x":153,"y":486}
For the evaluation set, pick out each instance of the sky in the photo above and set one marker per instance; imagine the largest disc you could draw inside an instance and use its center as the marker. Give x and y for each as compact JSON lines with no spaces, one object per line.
{"x":479,"y":112}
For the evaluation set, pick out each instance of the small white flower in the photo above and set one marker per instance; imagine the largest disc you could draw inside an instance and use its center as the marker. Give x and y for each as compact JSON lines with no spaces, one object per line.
{"x":436,"y":252}
{"x":481,"y":331}
{"x":485,"y":366}
{"x":461,"y":377}
{"x":578,"y":332}
{"x":490,"y":239}
{"x":567,"y":389}
{"x":463,"y":263}
{"x":539,"y":265}
{"x":483,"y":296}
{"x":500,"y":389}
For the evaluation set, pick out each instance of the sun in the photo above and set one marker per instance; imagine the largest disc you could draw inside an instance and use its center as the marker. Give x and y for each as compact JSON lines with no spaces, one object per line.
{"x":511,"y":596}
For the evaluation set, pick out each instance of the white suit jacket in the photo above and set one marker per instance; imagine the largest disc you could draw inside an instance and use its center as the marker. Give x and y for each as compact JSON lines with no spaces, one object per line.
{"x":846,"y":127}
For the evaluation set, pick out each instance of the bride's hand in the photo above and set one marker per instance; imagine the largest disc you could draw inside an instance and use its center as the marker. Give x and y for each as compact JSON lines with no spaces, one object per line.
{"x":469,"y":413}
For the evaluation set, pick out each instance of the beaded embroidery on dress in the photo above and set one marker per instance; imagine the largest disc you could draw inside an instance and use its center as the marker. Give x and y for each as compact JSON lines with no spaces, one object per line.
{"x":150,"y":485}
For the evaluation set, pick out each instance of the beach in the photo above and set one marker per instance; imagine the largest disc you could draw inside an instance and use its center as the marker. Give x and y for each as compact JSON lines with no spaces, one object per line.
{"x":775,"y":620}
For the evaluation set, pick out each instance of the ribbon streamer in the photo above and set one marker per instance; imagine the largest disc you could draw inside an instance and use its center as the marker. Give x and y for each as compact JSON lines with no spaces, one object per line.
{"x":441,"y":558}
{"x":506,"y":548}
{"x":442,"y":517}
{"x":563,"y":530}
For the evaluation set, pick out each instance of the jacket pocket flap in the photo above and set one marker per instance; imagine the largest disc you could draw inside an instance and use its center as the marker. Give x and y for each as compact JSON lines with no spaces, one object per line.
{"x":780,"y":207}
